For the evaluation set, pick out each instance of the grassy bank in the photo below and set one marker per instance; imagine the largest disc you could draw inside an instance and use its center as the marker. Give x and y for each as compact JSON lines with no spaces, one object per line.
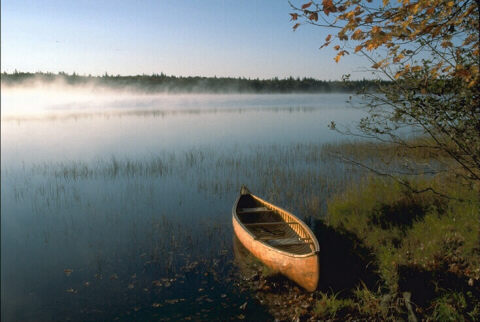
{"x":423,"y":252}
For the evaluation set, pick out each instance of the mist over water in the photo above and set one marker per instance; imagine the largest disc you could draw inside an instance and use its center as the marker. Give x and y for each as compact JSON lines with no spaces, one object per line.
{"x":117,"y":204}
{"x":62,"y":123}
{"x":57,"y":100}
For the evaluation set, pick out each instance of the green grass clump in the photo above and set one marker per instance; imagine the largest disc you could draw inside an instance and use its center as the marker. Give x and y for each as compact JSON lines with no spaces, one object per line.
{"x":329,"y":306}
{"x":449,"y":307}
{"x":425,"y":245}
{"x":371,"y":304}
{"x":365,"y":304}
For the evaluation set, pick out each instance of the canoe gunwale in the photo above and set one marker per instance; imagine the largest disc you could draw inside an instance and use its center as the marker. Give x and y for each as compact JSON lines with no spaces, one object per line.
{"x":275,"y":208}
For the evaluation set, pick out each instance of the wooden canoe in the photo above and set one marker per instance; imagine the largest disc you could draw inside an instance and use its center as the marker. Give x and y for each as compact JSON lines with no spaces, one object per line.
{"x":277,"y":238}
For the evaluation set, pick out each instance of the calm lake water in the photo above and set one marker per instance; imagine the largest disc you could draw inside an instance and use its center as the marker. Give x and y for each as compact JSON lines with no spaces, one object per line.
{"x":117,"y":206}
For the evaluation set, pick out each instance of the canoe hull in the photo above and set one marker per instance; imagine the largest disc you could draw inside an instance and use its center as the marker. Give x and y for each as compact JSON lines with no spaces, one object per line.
{"x":303,"y":270}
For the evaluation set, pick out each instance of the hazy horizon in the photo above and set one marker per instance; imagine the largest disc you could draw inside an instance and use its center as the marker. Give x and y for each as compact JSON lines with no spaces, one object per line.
{"x":73,"y":72}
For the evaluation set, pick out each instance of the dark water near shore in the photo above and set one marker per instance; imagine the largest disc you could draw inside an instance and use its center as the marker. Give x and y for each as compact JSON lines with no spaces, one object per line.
{"x":118,"y":207}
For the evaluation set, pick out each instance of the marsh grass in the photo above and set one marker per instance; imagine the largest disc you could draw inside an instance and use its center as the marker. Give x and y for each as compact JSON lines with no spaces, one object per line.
{"x":300,"y":176}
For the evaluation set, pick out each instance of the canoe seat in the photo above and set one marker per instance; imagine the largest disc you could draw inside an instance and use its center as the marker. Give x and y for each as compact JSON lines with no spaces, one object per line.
{"x":253,"y":210}
{"x":287,"y":242}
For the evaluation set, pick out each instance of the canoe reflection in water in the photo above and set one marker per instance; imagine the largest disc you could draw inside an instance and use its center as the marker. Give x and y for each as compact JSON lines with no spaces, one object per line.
{"x":277,"y":238}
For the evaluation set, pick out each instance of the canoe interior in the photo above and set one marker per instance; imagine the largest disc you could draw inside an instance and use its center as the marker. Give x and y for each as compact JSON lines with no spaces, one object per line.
{"x":273,"y":227}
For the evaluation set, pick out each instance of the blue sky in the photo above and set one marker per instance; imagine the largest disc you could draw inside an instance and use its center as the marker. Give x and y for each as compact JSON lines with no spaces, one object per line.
{"x":206,"y":38}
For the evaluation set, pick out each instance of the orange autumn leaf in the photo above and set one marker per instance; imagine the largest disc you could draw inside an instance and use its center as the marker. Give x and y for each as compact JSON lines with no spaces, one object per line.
{"x":357,"y":34}
{"x":306,"y":5}
{"x":328,"y":7}
{"x":340,"y":54}
{"x":446,"y":44}
{"x":350,"y":15}
{"x":371,"y":46}
{"x":325,"y":44}
{"x":414,"y":8}
{"x":416,"y":69}
{"x":327,"y":3}
{"x":398,"y":58}
{"x":313,"y":16}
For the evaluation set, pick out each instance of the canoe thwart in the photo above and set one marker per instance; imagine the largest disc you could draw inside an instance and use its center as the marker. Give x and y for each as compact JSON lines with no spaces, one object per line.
{"x":273,"y":223}
{"x":287,"y":242}
{"x":267,"y":238}
{"x":253,"y":210}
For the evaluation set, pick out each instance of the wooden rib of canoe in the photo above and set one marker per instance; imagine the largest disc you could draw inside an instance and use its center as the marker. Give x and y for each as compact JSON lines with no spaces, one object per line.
{"x":277,"y":238}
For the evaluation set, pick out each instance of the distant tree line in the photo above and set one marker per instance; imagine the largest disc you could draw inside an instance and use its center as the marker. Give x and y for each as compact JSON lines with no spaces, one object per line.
{"x":162,"y":82}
